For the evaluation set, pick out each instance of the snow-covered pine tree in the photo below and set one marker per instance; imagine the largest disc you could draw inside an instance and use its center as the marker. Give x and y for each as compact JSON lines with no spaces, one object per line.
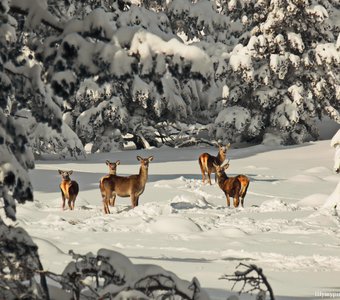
{"x":33,"y":102}
{"x":251,"y":68}
{"x":21,"y":87}
{"x":283,"y":73}
{"x":118,"y":78}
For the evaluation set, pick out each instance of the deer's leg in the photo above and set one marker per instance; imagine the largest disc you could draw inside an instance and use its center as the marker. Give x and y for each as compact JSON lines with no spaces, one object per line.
{"x":209,"y":173}
{"x":63,"y":200}
{"x":237,"y":197}
{"x":236,"y":200}
{"x":244,"y":193}
{"x":228,"y":199}
{"x":106,"y":206}
{"x":103,"y":199}
{"x":133,"y":200}
{"x":113,"y":199}
{"x":69,"y":202}
{"x":105,"y":202}
{"x":74,"y":201}
{"x":202,"y":170}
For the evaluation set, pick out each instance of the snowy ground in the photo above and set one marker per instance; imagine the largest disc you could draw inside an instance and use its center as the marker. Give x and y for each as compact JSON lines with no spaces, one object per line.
{"x":185,"y":226}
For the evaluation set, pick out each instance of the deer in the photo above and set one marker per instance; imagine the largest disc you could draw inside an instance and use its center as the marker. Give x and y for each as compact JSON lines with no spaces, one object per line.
{"x":132,"y":186}
{"x":235,"y":187}
{"x":69,"y":189}
{"x":207,"y":161}
{"x":112,"y":171}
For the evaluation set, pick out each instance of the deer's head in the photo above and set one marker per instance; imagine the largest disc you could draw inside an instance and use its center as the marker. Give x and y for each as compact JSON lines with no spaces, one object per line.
{"x":112,"y":166}
{"x":220,"y":168}
{"x":65,"y":175}
{"x":145,"y":161}
{"x":222,"y":150}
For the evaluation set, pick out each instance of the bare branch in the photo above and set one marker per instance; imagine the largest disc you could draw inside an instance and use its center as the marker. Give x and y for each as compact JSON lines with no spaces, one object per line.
{"x":256,"y":281}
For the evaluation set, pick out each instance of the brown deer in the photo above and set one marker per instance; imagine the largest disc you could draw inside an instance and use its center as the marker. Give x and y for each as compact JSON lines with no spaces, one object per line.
{"x":69,"y":189}
{"x":132,"y":186}
{"x":207,"y":161}
{"x":235,"y":187}
{"x":112,"y":171}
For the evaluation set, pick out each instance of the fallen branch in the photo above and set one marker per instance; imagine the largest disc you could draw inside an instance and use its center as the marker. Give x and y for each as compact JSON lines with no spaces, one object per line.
{"x":248,"y":278}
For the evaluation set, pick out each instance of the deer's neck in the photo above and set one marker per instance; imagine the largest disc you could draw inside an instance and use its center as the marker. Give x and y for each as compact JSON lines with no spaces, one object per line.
{"x":220,"y":158}
{"x":143,"y":175}
{"x":112,"y":172}
{"x":220,"y":180}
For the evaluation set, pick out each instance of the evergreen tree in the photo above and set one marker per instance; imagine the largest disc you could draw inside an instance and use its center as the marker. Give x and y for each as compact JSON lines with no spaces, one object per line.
{"x":283,"y":74}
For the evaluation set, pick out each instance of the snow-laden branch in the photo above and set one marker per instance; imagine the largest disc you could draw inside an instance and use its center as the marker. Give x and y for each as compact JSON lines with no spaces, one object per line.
{"x":19,"y":262}
{"x":36,"y":13}
{"x":110,"y":274}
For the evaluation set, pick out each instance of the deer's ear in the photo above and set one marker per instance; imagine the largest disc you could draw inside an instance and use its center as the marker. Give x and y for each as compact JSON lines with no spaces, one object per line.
{"x":226,"y":166}
{"x":150,"y":158}
{"x":228,"y":146}
{"x":107,"y":162}
{"x":70,"y":172}
{"x":118,"y":162}
{"x":60,"y":172}
{"x":139,"y":158}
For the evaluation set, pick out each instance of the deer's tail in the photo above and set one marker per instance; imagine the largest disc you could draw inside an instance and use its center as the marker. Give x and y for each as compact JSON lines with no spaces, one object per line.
{"x":101,"y":187}
{"x":202,"y":163}
{"x":244,"y":188}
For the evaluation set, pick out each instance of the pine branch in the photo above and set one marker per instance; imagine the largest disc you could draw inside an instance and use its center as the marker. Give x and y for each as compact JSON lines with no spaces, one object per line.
{"x":55,"y":25}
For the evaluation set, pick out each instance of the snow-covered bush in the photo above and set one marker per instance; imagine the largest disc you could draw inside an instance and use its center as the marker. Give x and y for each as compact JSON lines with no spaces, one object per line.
{"x":110,"y":274}
{"x":19,"y":266}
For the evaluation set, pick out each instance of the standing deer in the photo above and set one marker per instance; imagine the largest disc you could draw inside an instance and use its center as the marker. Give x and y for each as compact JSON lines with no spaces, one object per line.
{"x":112,"y":171}
{"x":207,"y":161}
{"x":132,"y":186}
{"x":69,"y":189}
{"x":235,"y":187}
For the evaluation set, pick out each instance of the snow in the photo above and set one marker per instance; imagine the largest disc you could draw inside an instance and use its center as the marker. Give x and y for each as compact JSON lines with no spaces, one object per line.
{"x":319,"y":11}
{"x":336,"y":139}
{"x":335,"y":142}
{"x":334,"y":198}
{"x":146,"y":45}
{"x":37,"y":12}
{"x":288,"y":225}
{"x":296,"y":41}
{"x":240,"y":58}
